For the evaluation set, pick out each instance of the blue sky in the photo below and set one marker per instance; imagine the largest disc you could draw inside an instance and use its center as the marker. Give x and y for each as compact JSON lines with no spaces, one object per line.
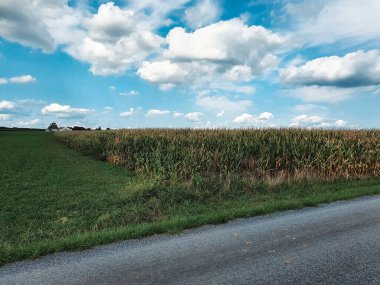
{"x":182,"y":63}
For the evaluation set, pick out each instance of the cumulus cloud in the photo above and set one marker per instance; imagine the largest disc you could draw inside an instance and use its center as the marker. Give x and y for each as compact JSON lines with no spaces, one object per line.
{"x":116,"y":40}
{"x":314,"y":121}
{"x":111,"y":40}
{"x":194,"y":117}
{"x":203,"y":13}
{"x":110,"y":23}
{"x":65,"y":111}
{"x":265,"y":116}
{"x":154,"y":113}
{"x":305,"y":119}
{"x":252,"y":119}
{"x":228,"y":50}
{"x":340,"y":123}
{"x":177,"y":115}
{"x":39,"y":24}
{"x":164,"y":72}
{"x":18,"y":79}
{"x":129,"y":113}
{"x":7,"y":105}
{"x":226,"y":41}
{"x":239,"y":73}
{"x":352,"y":70}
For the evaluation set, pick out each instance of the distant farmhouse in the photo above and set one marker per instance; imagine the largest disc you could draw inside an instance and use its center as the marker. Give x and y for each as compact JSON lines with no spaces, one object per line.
{"x":54,"y":128}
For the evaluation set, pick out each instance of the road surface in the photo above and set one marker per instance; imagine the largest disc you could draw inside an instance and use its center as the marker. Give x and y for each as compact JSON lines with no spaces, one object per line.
{"x":336,"y":243}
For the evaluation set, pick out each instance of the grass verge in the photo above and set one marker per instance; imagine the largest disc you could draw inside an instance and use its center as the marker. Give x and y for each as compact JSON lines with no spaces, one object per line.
{"x":53,"y":199}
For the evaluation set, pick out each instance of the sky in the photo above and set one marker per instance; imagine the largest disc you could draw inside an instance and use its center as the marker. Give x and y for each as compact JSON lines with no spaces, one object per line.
{"x":190,"y":63}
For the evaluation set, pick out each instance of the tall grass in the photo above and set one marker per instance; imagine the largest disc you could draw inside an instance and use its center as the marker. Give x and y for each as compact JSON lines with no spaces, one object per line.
{"x":274,"y":154}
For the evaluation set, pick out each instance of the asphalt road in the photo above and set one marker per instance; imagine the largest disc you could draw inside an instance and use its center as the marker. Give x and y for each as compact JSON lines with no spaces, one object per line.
{"x":336,"y":243}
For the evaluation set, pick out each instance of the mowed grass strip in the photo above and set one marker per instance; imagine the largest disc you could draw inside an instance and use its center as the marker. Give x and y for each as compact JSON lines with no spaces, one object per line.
{"x":53,"y":199}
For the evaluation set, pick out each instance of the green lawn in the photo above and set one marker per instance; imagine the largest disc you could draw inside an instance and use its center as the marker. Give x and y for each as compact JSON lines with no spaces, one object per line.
{"x":54,"y":199}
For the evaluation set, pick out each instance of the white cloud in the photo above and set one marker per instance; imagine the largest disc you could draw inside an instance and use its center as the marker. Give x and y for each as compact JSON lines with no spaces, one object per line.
{"x":39,"y":24}
{"x":229,"y":41}
{"x":7,"y":105}
{"x":163,"y":72}
{"x":22,"y":79}
{"x":222,"y":103}
{"x":265,"y":116}
{"x":129,"y":93}
{"x":65,"y":111}
{"x":4,"y":117}
{"x":117,"y":57}
{"x":129,"y":113}
{"x":166,"y":86}
{"x":111,"y":87}
{"x":177,"y":115}
{"x":194,"y":117}
{"x":340,"y":123}
{"x":18,"y":79}
{"x":239,"y":73}
{"x":116,"y":40}
{"x":245,"y":119}
{"x":203,"y":13}
{"x":324,"y":93}
{"x":306,"y":120}
{"x":110,"y":23}
{"x":251,"y":119}
{"x":313,"y":121}
{"x":27,"y":124}
{"x":326,"y":21}
{"x":154,"y":112}
{"x":352,"y":70}
{"x":224,"y":51}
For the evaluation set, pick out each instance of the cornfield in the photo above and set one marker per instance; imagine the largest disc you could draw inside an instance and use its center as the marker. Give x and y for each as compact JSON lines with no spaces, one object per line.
{"x":181,"y":154}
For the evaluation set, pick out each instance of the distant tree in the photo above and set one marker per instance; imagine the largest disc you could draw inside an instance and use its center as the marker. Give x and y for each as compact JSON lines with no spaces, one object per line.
{"x":77,"y":128}
{"x":53,"y":126}
{"x":98,"y":129}
{"x":108,"y":129}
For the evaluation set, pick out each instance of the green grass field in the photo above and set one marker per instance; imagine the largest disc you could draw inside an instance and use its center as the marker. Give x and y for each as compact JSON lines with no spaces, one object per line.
{"x":52,"y":198}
